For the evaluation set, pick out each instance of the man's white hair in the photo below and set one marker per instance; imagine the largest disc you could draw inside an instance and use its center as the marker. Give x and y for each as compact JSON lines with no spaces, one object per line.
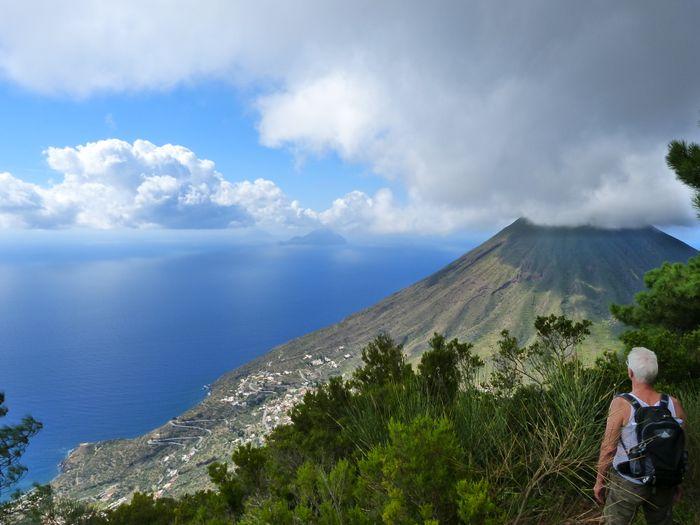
{"x":643,"y":364}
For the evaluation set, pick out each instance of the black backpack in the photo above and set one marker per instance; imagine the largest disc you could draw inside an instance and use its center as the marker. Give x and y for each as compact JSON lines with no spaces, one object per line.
{"x":660,"y":457}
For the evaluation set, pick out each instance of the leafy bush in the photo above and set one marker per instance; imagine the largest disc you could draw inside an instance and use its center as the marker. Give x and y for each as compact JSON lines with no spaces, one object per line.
{"x":666,"y":317}
{"x":475,"y":505}
{"x":416,"y":471}
{"x":13,"y":442}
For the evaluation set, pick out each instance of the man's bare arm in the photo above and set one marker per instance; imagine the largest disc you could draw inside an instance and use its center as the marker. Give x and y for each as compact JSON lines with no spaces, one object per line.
{"x":617,"y":416}
{"x":680,"y":411}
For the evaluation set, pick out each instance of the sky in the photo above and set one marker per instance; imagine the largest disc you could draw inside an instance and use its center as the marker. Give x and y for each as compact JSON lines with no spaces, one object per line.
{"x":371,"y":118}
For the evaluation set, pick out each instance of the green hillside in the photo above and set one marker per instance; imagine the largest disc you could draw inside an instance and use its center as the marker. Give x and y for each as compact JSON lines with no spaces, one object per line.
{"x":520,"y":273}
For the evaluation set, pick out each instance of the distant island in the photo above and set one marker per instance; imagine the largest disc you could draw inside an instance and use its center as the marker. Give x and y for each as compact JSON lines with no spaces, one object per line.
{"x":319,"y":237}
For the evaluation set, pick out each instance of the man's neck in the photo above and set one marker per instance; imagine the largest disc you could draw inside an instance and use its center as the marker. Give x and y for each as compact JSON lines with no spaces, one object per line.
{"x":643,"y":389}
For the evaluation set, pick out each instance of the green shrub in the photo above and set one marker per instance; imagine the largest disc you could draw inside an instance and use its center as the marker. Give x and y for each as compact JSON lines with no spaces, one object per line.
{"x":416,"y":471}
{"x":475,"y":506}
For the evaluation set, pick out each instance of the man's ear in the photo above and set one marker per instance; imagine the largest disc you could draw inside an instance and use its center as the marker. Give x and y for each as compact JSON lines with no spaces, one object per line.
{"x":630,"y":374}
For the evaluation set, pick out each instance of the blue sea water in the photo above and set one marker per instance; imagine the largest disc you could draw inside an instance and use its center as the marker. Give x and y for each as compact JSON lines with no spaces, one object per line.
{"x":102,"y":340}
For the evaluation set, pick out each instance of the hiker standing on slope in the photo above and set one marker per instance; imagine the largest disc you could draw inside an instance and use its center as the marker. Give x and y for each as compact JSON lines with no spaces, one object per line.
{"x":645,"y":444}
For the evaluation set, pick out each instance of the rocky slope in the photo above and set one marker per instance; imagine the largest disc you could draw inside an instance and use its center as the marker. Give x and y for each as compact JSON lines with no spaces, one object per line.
{"x":523,"y":271}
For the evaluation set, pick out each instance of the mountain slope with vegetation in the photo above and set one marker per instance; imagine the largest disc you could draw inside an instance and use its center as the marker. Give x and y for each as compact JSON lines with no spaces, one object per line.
{"x":522,"y":272}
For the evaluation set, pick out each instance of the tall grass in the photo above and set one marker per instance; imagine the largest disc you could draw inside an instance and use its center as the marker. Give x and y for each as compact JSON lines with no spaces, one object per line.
{"x":689,"y":508}
{"x":555,"y":445}
{"x":537,"y":448}
{"x":369,"y":415}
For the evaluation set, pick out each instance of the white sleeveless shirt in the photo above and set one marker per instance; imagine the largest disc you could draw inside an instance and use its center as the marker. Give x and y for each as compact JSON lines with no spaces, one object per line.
{"x":628,"y":435}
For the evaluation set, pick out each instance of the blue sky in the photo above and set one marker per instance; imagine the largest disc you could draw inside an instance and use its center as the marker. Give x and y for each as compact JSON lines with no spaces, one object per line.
{"x":211,"y":118}
{"x":377,"y":119}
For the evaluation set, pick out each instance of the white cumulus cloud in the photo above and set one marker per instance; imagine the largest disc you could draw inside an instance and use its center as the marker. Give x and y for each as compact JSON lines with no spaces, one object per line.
{"x":267,"y":204}
{"x":116,"y":184}
{"x":334,"y":112}
{"x":383,"y":214}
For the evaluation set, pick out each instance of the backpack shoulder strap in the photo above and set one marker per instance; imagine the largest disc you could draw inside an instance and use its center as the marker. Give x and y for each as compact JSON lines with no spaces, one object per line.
{"x":631,"y":400}
{"x":664,"y":400}
{"x":636,"y":405}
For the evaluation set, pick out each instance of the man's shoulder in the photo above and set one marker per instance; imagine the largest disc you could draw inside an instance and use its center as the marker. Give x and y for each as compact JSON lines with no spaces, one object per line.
{"x":620,"y":409}
{"x":676,"y":402}
{"x":618,"y":405}
{"x":623,"y":398}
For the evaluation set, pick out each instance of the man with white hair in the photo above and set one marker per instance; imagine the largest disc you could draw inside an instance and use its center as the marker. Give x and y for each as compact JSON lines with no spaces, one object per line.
{"x":644,"y":445}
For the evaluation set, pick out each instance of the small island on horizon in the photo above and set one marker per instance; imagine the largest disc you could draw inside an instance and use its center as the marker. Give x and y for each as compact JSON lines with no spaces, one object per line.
{"x":318,"y":237}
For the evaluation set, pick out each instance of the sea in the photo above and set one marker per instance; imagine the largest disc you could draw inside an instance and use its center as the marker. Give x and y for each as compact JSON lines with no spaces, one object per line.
{"x":105,"y":337}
